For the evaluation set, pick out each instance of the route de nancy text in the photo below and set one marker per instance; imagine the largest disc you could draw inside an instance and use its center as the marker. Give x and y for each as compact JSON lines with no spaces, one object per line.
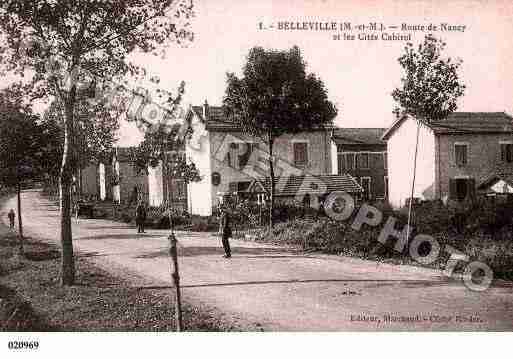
{"x":371,"y":31}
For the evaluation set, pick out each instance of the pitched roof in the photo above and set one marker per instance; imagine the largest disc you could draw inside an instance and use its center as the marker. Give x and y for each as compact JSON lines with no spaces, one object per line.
{"x":494,"y":178}
{"x":217,"y":121}
{"x":297,"y":185}
{"x":489,"y":185}
{"x":465,"y":122}
{"x":355,"y":136}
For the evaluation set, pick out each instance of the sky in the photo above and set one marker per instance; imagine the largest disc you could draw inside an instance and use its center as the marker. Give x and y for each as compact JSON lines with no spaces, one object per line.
{"x":358,"y":74}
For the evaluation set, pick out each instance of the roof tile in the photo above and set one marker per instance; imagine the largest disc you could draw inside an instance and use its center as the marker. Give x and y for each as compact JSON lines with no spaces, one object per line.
{"x":295,"y":185}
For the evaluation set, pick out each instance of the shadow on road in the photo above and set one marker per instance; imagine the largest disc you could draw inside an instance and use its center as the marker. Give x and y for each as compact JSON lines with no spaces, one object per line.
{"x":108,"y":227}
{"x":410,"y":282}
{"x":135,"y":236}
{"x":202,"y":251}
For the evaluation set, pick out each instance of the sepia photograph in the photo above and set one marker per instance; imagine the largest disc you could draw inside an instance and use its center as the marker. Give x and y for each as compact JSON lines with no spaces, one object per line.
{"x":319,"y":167}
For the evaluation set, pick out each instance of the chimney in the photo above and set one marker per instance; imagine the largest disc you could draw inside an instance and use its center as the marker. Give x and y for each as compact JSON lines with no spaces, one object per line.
{"x":205,"y":111}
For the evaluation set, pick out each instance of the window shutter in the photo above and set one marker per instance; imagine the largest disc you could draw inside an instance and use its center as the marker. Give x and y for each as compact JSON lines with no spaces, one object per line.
{"x":365,"y":160}
{"x":341,"y":163}
{"x":471,"y":183}
{"x":509,"y":152}
{"x":244,"y":158}
{"x":234,"y":149}
{"x":350,"y":161}
{"x":460,"y":154}
{"x":503,"y":152}
{"x":296,"y":153}
{"x":452,"y":189}
{"x":300,"y":153}
{"x":232,"y":186}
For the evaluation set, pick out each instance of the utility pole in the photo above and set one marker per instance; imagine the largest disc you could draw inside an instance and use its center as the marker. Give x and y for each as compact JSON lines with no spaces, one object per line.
{"x":20,"y":224}
{"x":412,"y":187}
{"x":173,"y":252}
{"x":176,"y":280}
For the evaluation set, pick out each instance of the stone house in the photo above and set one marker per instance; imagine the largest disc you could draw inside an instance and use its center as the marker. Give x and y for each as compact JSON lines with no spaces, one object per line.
{"x":128,"y":186}
{"x":162,"y":189}
{"x":115,"y":179}
{"x":87,"y":182}
{"x":362,"y":153}
{"x":456,"y":157}
{"x":232,"y":162}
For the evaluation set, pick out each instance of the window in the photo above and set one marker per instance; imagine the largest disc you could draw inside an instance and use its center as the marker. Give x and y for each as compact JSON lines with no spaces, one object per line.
{"x":461,"y":188}
{"x":341,"y":163}
{"x":247,"y":150}
{"x":181,"y":189}
{"x":300,"y":153}
{"x":346,"y":162}
{"x":362,"y":160}
{"x":385,"y":160}
{"x":460,"y":154}
{"x":243,"y":186}
{"x":365,"y":182}
{"x":385,"y":195}
{"x":233,"y":153}
{"x":350,"y":161}
{"x":507,"y":152}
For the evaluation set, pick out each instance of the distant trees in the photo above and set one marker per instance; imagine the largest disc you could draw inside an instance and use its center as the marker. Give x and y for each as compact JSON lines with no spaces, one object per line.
{"x":274,"y":96}
{"x":68,"y":47}
{"x":94,"y":129}
{"x":20,"y":139}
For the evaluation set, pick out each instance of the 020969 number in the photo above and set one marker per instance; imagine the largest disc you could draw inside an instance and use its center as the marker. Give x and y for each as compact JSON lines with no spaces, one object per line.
{"x":22,"y":345}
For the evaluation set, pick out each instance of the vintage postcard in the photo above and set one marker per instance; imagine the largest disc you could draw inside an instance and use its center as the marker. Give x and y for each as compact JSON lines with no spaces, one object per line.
{"x":254,"y":166}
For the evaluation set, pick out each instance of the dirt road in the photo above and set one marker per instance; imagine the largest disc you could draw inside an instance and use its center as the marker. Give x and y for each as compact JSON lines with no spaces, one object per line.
{"x":277,"y":288}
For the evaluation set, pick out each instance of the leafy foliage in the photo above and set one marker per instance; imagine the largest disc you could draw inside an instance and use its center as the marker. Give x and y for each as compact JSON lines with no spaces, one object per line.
{"x":69,"y":47}
{"x":19,"y":140}
{"x":431,"y":86}
{"x":94,"y":130}
{"x":275,"y":96}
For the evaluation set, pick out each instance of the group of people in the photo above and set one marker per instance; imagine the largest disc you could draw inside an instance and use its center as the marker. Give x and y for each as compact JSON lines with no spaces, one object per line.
{"x":225,"y":229}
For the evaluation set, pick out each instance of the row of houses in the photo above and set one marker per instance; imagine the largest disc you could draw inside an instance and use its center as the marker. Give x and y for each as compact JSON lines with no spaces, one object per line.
{"x":467,"y":154}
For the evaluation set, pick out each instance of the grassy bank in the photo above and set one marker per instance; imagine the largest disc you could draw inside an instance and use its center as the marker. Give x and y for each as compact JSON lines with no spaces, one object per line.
{"x":339,"y":238}
{"x":31,"y":298}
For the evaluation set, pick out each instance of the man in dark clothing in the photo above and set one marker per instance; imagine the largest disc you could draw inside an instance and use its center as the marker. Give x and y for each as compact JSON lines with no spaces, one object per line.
{"x":11,"y":216}
{"x":225,"y":231}
{"x":140,"y":217}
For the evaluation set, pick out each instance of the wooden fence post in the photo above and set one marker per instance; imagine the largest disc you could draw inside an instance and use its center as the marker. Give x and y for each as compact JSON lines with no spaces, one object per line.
{"x":176,"y":281}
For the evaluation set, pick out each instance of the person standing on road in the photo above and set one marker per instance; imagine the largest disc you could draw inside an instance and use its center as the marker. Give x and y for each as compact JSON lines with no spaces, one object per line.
{"x":225,"y":231}
{"x":11,"y":216}
{"x":140,"y":217}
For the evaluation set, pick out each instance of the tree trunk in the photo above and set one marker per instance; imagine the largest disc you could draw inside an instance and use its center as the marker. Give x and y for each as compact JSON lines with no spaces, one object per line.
{"x":166,"y":181}
{"x":20,"y":224}
{"x":80,"y":189}
{"x":65,"y":182}
{"x":273,"y":184}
